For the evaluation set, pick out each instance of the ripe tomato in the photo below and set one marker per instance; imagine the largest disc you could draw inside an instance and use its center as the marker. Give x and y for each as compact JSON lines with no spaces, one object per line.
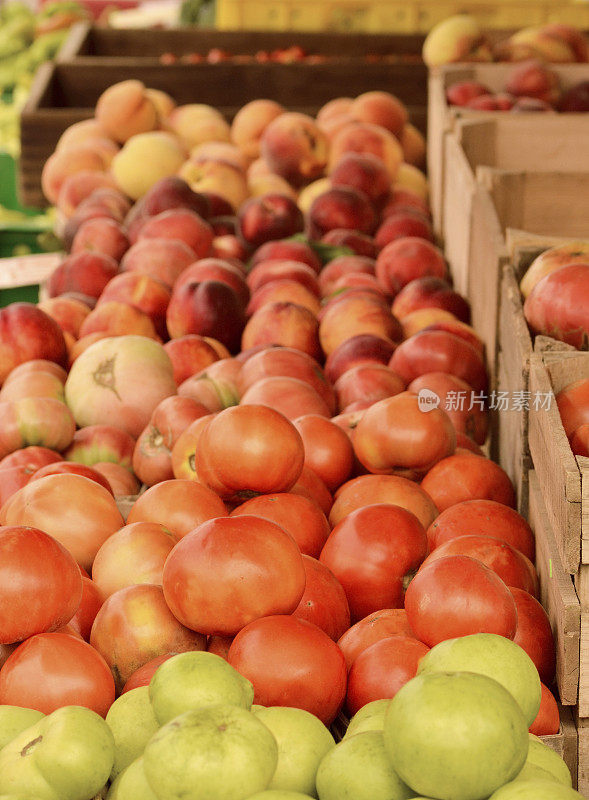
{"x":143,"y":675}
{"x":291,"y":662}
{"x":547,"y":720}
{"x":483,"y":518}
{"x":379,"y":671}
{"x":298,"y":515}
{"x":230,"y":571}
{"x":90,"y":604}
{"x":178,"y":505}
{"x":51,"y":670}
{"x":219,"y":645}
{"x":467,"y":477}
{"x":457,"y":595}
{"x":72,"y":468}
{"x":534,"y":634}
{"x":310,"y":485}
{"x":371,"y":629}
{"x":328,"y":449}
{"x":511,"y":565}
{"x":249,"y":449}
{"x":324,"y":601}
{"x":134,"y":625}
{"x":40,"y":584}
{"x":573,"y":405}
{"x":374,"y":552}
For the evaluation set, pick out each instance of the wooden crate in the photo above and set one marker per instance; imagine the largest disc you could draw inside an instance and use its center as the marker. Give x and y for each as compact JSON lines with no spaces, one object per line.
{"x":443,"y":118}
{"x":66,"y":92}
{"x":565,"y":743}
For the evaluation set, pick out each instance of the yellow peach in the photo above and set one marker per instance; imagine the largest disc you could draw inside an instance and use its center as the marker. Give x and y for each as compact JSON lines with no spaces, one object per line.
{"x":124,"y":110}
{"x":195,"y":123}
{"x":310,"y":192}
{"x":456,"y":38}
{"x":414,"y":146}
{"x":217,"y":177}
{"x":144,"y":159}
{"x":250,"y":122}
{"x":413,"y":179}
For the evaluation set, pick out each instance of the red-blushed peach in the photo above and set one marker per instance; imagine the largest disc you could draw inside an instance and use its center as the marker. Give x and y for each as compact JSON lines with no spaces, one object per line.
{"x":364,"y":137}
{"x":230,"y":246}
{"x":403,"y":223}
{"x":218,"y":177}
{"x":364,"y":348}
{"x":101,"y":234}
{"x":341,"y":265}
{"x":312,"y":190}
{"x":172,"y":192}
{"x":142,"y":292}
{"x":551,"y":259}
{"x":146,"y":158}
{"x":116,"y":318}
{"x":270,"y":216}
{"x":365,"y":172}
{"x":456,"y":38}
{"x":68,"y":312}
{"x":422,"y":318}
{"x":335,"y":123}
{"x":216,"y":269}
{"x":286,"y":324}
{"x":196,"y":123}
{"x":291,"y":396}
{"x":183,"y":224}
{"x":353,"y":314}
{"x":534,"y":78}
{"x":380,"y":108}
{"x":289,"y":249}
{"x":334,"y":108}
{"x":460,"y":92}
{"x":124,"y":110}
{"x":366,"y":383}
{"x":163,"y":259}
{"x":250,"y":122}
{"x":79,"y":132}
{"x":574,"y":37}
{"x":401,"y":199}
{"x":283,"y":290}
{"x":220,"y":151}
{"x":68,"y":161}
{"x":536,"y":42}
{"x":257,"y":168}
{"x":122,"y":482}
{"x":85,"y":273}
{"x":430,"y":291}
{"x":360,"y":243}
{"x":295,"y":147}
{"x":77,"y":187}
{"x":190,"y":354}
{"x":341,"y":207}
{"x":359,"y":280}
{"x":266,"y":271}
{"x":407,"y":258}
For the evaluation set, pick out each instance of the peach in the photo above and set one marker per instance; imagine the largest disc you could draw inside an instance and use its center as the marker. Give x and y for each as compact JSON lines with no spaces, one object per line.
{"x":68,"y":161}
{"x":122,"y":482}
{"x":258,"y":168}
{"x":359,"y":243}
{"x":407,"y":258}
{"x":68,"y":312}
{"x":574,"y":37}
{"x":401,"y":199}
{"x":271,"y":183}
{"x":363,"y":137}
{"x":283,"y":323}
{"x":163,"y":102}
{"x":145,"y":159}
{"x":281,"y":268}
{"x":291,"y":396}
{"x":354,"y":314}
{"x":220,"y":151}
{"x":427,"y":292}
{"x":340,"y":207}
{"x":341,"y":265}
{"x":269,"y":216}
{"x":163,"y":259}
{"x":101,"y":234}
{"x":421,"y":318}
{"x":533,"y":78}
{"x":461,"y":92}
{"x":364,"y":348}
{"x":536,"y":42}
{"x":183,"y":224}
{"x":413,"y":145}
{"x":456,"y":38}
{"x":289,"y":249}
{"x":250,"y":122}
{"x":380,"y":108}
{"x":411,"y":179}
{"x":359,"y":280}
{"x":142,"y":292}
{"x":218,"y":177}
{"x":189,"y":354}
{"x":216,"y":269}
{"x":335,"y":123}
{"x":79,"y":132}
{"x":403,"y":223}
{"x":283,"y":290}
{"x":552,"y":259}
{"x":195,"y":123}
{"x":366,"y":383}
{"x":295,"y":147}
{"x":77,"y":187}
{"x":308,"y":193}
{"x":365,"y":172}
{"x":124,"y":110}
{"x":84,"y":273}
{"x":114,"y":318}
{"x":333,"y":108}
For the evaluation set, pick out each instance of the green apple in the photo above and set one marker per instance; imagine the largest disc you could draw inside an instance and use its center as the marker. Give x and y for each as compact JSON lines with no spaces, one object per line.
{"x":67,"y":755}
{"x":492,"y":655}
{"x":535,"y":790}
{"x":14,"y":720}
{"x":278,"y":794}
{"x":368,"y":718}
{"x":360,"y":768}
{"x":195,"y":679}
{"x":540,"y":755}
{"x":455,"y":735}
{"x":131,"y":784}
{"x":223,"y":752}
{"x":133,"y":723}
{"x":302,"y":740}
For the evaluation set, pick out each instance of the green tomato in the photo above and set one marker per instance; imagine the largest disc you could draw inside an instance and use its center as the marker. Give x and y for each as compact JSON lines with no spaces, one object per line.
{"x":67,"y":755}
{"x":132,"y":723}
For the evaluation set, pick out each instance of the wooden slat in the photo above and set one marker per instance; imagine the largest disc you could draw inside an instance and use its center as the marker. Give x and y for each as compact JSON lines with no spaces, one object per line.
{"x":565,"y":742}
{"x":558,"y":596}
{"x":458,"y":194}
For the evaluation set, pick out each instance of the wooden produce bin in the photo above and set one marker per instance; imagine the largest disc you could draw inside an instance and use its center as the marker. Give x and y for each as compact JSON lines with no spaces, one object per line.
{"x":66,"y":92}
{"x":443,"y":118}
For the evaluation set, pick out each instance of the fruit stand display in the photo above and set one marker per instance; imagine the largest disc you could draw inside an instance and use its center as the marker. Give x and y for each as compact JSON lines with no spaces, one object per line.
{"x":288,"y":567}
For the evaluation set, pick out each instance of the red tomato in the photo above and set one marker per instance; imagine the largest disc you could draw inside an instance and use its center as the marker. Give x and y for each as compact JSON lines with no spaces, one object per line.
{"x":32,"y":458}
{"x":371,"y":629}
{"x":143,"y":675}
{"x":328,"y":449}
{"x":249,"y":449}
{"x":511,"y":565}
{"x":374,"y":552}
{"x":324,"y":601}
{"x":230,"y":571}
{"x":219,"y":645}
{"x":72,"y":468}
{"x":456,"y":596}
{"x":310,"y":485}
{"x":573,"y":405}
{"x":134,"y":625}
{"x":51,"y":670}
{"x":298,"y":515}
{"x":380,"y":670}
{"x":89,"y":607}
{"x":534,"y":634}
{"x":467,"y":477}
{"x":547,"y":720}
{"x":483,"y":518}
{"x":40,"y":584}
{"x":291,"y":662}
